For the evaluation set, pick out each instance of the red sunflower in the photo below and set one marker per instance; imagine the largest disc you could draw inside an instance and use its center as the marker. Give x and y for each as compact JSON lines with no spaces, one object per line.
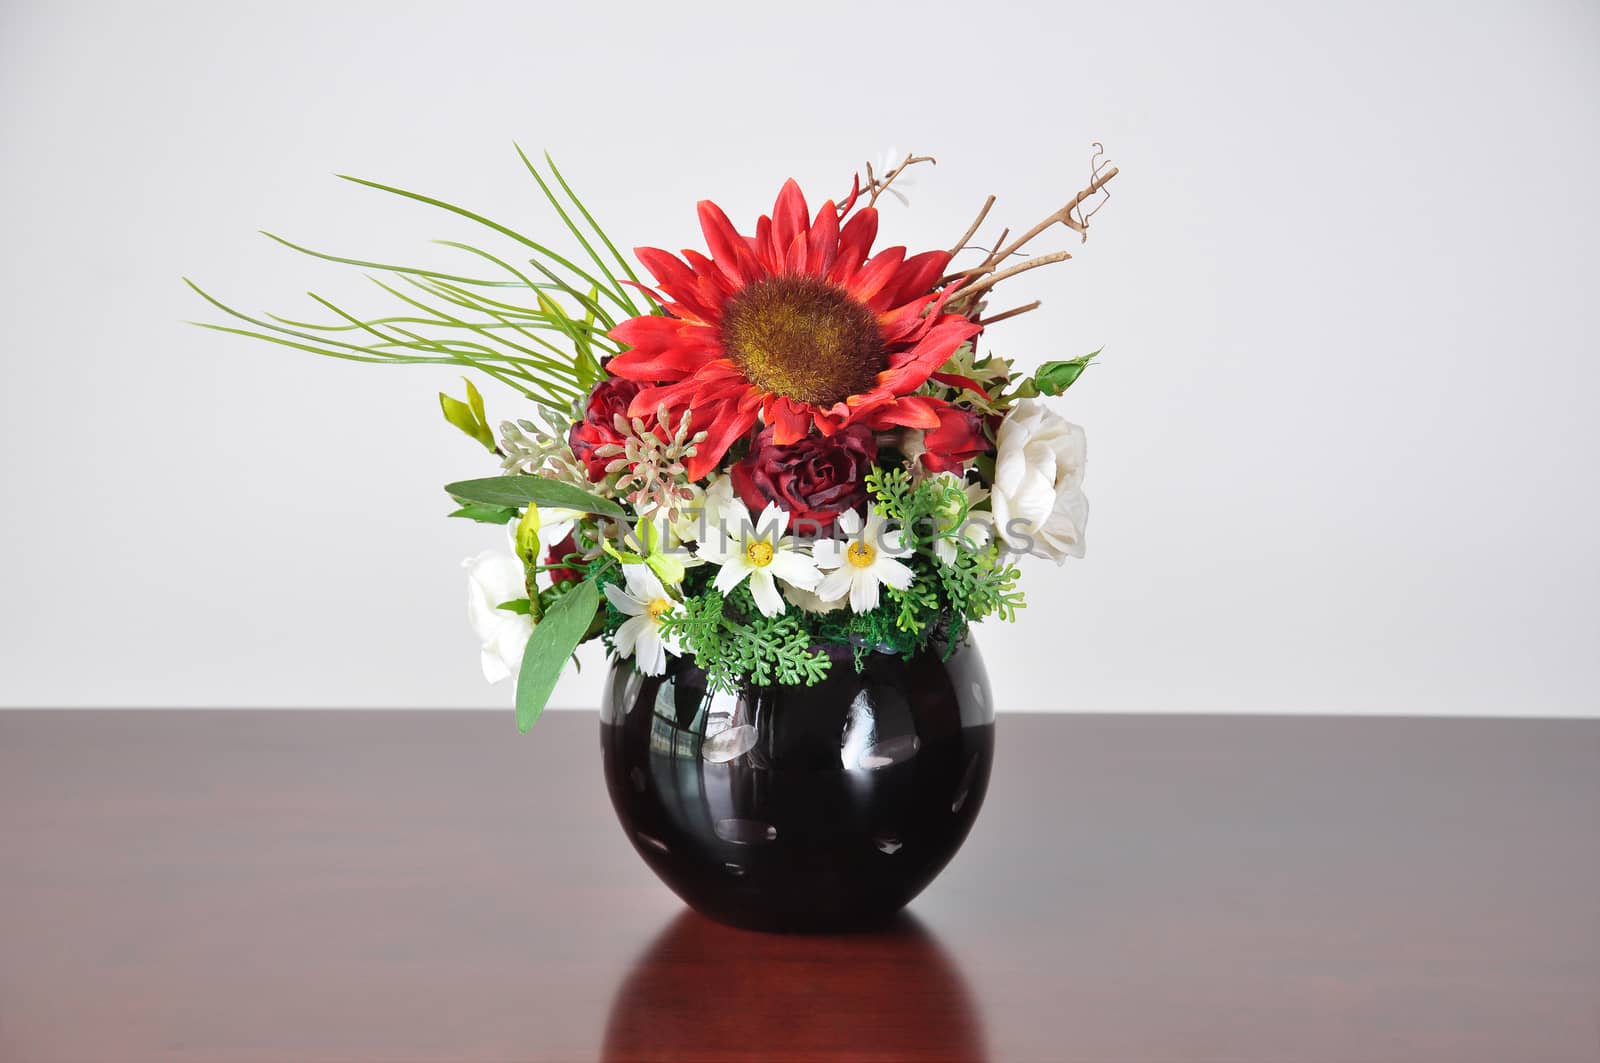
{"x":795,"y":326}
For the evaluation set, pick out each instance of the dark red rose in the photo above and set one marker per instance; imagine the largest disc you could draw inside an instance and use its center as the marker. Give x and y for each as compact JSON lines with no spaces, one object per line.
{"x":598,"y":427}
{"x":816,"y":479}
{"x":958,"y":439}
{"x":559,"y":553}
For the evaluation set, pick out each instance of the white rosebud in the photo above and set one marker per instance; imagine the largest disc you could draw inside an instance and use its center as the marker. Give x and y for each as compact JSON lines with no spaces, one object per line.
{"x":493,"y":578}
{"x":1038,"y":502}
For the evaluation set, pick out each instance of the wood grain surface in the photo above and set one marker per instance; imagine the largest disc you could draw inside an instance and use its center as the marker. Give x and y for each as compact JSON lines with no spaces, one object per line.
{"x":304,"y":886}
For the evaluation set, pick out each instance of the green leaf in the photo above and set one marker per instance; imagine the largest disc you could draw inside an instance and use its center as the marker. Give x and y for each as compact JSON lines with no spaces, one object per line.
{"x":627,"y":557}
{"x":468,"y":416}
{"x":520,"y":491}
{"x":553,"y":642}
{"x":521,"y":606}
{"x":475,"y":400}
{"x":487,"y":514}
{"x":1055,"y":377}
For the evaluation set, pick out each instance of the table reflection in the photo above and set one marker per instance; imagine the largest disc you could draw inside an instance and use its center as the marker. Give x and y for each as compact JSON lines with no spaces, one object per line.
{"x":705,"y":990}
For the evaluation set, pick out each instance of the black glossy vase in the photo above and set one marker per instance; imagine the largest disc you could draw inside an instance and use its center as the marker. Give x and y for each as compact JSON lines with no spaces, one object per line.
{"x":801,"y":808}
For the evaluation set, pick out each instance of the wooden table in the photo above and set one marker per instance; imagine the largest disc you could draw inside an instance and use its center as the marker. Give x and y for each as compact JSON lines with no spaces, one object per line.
{"x":428,"y":886}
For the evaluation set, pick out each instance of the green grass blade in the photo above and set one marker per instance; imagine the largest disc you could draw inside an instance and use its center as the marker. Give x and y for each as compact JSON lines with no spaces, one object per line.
{"x":385,"y":267}
{"x":560,"y":260}
{"x":577,"y":232}
{"x":627,"y":267}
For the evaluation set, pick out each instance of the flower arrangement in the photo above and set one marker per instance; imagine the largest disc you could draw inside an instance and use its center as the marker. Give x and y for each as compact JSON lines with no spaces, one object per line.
{"x":784,"y":442}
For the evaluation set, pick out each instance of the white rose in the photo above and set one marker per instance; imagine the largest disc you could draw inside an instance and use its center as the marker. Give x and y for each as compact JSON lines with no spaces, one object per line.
{"x":493,"y":578}
{"x":1039,"y":507}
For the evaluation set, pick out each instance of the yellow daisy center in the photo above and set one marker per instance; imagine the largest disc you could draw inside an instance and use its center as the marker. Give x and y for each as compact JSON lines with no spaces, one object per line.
{"x":759,"y":554}
{"x":659,"y":608}
{"x":804,"y":338}
{"x":860,"y":555}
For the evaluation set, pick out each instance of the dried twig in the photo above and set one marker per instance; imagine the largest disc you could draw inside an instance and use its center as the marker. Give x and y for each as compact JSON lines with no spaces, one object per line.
{"x":1064,"y":216}
{"x":877,"y":186}
{"x":979,"y":279}
{"x":1013,"y":312}
{"x":972,"y":230}
{"x":1096,"y":162}
{"x":984,"y":285}
{"x":995,"y":249}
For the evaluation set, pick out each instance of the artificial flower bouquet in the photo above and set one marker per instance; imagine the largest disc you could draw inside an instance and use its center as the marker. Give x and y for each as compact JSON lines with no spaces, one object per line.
{"x":784,"y":443}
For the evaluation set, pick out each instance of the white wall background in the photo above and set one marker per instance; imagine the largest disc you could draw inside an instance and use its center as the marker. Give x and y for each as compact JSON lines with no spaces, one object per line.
{"x":1343,"y":442}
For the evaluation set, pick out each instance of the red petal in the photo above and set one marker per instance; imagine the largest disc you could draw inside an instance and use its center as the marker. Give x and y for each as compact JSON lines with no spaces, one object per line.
{"x":675,"y":397}
{"x":648,"y":367}
{"x":855,"y":241}
{"x":794,"y":260}
{"x":728,"y":249}
{"x":956,"y":380}
{"x":916,"y":277}
{"x":823,"y":241}
{"x":789,"y":215}
{"x":855,"y":194}
{"x":791,"y":420}
{"x":907,"y":323}
{"x":909,"y":369}
{"x":722,"y":426}
{"x":877,"y":273}
{"x":712,"y":388}
{"x":909,"y":411}
{"x":647,"y":291}
{"x":647,"y":330}
{"x":662,"y":348}
{"x":704,"y":268}
{"x":766,"y":253}
{"x":677,"y":280}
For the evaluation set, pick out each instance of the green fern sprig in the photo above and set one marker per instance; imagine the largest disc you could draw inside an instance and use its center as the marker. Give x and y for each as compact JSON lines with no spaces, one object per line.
{"x":733,"y":643}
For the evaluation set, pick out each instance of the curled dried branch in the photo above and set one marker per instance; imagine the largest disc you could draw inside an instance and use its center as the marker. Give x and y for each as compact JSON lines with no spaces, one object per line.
{"x":979,"y":279}
{"x":1066,"y":215}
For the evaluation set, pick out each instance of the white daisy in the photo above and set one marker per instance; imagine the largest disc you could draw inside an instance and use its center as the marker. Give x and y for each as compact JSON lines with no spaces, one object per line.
{"x":645,"y":601}
{"x":862,"y":560}
{"x":762,"y":552}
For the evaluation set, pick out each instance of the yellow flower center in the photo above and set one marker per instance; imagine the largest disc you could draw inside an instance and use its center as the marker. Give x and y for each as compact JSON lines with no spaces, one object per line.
{"x":658,"y":608}
{"x":860,"y":555}
{"x":759,"y":554}
{"x":804,"y":338}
